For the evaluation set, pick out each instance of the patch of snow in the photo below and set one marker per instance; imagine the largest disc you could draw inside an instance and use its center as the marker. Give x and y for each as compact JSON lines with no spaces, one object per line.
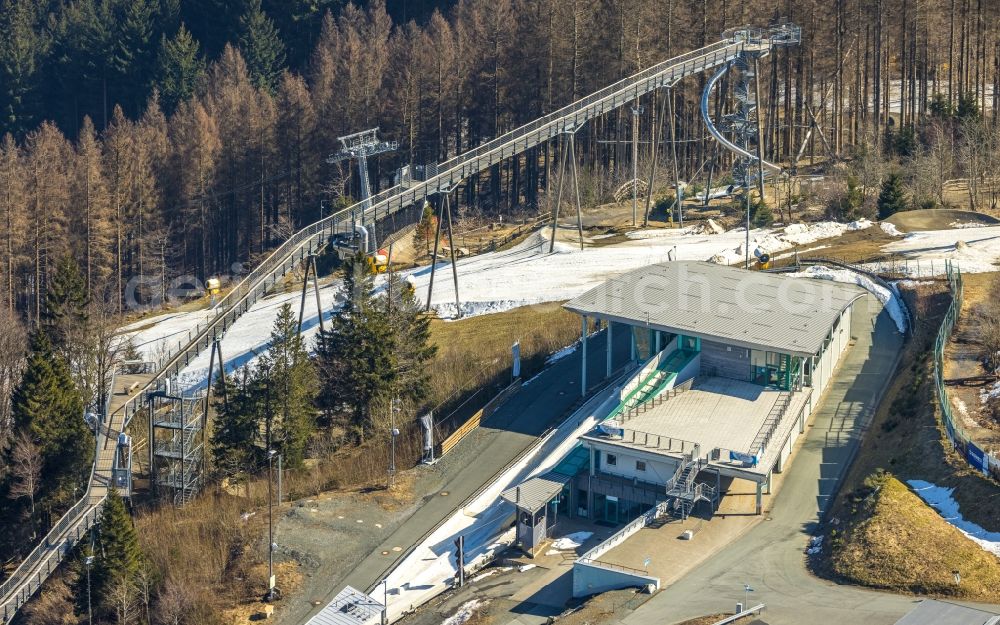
{"x":911,"y":284}
{"x":464,"y":613}
{"x":923,"y":253}
{"x":562,"y":353}
{"x":526,"y":567}
{"x":815,"y":545}
{"x":962,"y":225}
{"x":890,"y":229}
{"x":887,"y":297}
{"x":571,"y":541}
{"x":860,"y":224}
{"x":989,"y":393}
{"x":940,"y":498}
{"x":487,"y":573}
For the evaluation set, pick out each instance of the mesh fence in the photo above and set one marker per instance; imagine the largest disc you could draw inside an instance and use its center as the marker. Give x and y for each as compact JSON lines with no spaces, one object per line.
{"x":979,"y":459}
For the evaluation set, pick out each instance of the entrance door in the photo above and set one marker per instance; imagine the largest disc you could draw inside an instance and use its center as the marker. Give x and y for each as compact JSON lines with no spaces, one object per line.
{"x":611,"y":509}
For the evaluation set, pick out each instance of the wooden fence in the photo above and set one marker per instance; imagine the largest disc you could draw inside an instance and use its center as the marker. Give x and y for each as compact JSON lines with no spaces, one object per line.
{"x":478,"y":417}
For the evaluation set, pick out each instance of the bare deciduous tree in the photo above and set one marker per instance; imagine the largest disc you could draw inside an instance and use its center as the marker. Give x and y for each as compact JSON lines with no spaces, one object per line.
{"x":13,"y":345}
{"x":26,"y":468}
{"x":173,"y":602}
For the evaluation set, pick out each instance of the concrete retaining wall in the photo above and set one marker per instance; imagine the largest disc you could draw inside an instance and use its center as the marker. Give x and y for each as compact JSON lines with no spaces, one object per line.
{"x":590,"y":578}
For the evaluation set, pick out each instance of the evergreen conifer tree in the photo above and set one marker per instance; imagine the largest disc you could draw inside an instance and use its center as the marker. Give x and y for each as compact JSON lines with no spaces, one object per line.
{"x":66,"y":314}
{"x":118,"y":558}
{"x":132,"y":49}
{"x":47,"y":407}
{"x":357,"y":353}
{"x":261,"y":47}
{"x":891,"y":199}
{"x":22,"y":51}
{"x":236,"y":435}
{"x":425,"y":231}
{"x":412,"y":336}
{"x":289,"y":375}
{"x":179,"y":68}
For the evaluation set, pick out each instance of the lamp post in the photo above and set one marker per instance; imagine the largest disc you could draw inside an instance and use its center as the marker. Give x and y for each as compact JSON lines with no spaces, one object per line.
{"x":393,"y":433}
{"x":270,"y":528}
{"x":746,"y":596}
{"x":88,"y":562}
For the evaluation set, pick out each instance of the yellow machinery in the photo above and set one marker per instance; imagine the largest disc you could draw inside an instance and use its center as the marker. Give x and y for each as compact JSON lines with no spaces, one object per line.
{"x":213,"y":286}
{"x":379,"y":261}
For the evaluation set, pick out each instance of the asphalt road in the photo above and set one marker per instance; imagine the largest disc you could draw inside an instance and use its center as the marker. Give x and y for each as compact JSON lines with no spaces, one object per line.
{"x":770,"y":557}
{"x":474,"y":461}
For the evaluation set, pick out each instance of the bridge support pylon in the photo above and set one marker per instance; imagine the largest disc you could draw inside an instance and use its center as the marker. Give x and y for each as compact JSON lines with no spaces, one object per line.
{"x":568,"y":150}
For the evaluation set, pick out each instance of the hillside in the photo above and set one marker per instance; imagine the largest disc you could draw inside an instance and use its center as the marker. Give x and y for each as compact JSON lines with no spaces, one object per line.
{"x":894,"y":541}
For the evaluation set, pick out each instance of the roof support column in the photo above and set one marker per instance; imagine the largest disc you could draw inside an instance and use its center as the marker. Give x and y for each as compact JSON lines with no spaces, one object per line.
{"x":759,"y":498}
{"x":610,"y":348}
{"x":631,"y":340}
{"x":583,"y":367}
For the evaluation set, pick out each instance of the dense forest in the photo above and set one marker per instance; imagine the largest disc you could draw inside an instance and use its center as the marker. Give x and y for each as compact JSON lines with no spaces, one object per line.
{"x":152,"y":139}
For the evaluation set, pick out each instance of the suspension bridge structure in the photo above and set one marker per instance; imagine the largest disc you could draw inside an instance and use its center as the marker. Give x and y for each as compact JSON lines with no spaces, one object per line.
{"x":130,"y":392}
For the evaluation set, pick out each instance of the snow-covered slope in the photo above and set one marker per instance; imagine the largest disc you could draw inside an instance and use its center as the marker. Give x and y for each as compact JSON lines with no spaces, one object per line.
{"x":523,"y":275}
{"x":975,"y":249}
{"x":528,"y":274}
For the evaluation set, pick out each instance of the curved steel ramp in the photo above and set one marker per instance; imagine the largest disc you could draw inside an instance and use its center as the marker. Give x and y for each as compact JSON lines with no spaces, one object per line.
{"x":717,"y":134}
{"x":28,"y":577}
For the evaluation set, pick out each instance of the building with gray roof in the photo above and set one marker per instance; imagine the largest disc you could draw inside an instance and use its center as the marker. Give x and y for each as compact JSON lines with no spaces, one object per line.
{"x":725,"y":367}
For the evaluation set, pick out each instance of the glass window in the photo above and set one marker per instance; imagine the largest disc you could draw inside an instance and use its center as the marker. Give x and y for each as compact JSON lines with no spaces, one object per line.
{"x":612,"y":460}
{"x":690,"y":343}
{"x":640,"y":465}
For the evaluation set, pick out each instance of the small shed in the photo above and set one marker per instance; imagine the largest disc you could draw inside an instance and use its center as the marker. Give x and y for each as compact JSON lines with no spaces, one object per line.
{"x":537,"y":502}
{"x":349,"y":607}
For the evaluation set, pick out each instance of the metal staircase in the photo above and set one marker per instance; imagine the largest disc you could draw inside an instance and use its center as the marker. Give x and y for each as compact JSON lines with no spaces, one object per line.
{"x":438,"y":178}
{"x":771,"y":423}
{"x":683,"y":491}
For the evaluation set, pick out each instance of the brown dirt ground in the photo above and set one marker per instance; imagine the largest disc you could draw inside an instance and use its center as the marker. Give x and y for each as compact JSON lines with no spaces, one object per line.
{"x":962,"y":360}
{"x":906,"y":436}
{"x":938,"y":219}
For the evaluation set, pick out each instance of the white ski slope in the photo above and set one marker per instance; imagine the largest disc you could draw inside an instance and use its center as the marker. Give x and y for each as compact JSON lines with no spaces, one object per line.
{"x":528,"y":274}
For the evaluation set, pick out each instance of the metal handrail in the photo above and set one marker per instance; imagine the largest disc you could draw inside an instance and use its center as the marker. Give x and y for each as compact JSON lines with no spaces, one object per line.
{"x":396,"y":198}
{"x":771,"y":423}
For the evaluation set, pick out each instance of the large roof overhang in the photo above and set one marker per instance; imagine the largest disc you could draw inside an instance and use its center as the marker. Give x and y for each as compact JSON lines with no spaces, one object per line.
{"x":734,"y":306}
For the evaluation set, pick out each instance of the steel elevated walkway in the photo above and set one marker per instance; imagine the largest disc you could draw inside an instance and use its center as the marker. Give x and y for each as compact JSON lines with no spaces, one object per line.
{"x":16,"y":590}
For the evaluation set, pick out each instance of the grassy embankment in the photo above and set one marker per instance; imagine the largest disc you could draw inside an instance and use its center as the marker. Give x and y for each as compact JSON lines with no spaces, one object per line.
{"x":885,"y":536}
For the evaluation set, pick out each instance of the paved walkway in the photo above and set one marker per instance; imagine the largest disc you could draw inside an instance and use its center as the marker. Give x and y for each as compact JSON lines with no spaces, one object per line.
{"x":770,"y":556}
{"x":510,"y":430}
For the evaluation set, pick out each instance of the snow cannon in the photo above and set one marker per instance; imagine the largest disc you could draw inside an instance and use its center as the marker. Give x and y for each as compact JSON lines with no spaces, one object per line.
{"x":763,"y":258}
{"x":379,"y":261}
{"x":411,"y":283}
{"x":213,"y":286}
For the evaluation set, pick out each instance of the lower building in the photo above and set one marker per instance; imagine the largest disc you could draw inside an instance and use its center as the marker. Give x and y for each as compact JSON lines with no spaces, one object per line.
{"x":727,"y":367}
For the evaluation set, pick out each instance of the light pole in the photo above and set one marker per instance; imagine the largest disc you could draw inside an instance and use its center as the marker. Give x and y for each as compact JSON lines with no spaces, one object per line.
{"x":88,"y":562}
{"x":746,"y":596}
{"x":636,"y":112}
{"x":270,"y":528}
{"x":393,"y":433}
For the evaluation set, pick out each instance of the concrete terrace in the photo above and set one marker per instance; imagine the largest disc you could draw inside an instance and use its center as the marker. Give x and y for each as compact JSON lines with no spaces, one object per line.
{"x":716,"y":413}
